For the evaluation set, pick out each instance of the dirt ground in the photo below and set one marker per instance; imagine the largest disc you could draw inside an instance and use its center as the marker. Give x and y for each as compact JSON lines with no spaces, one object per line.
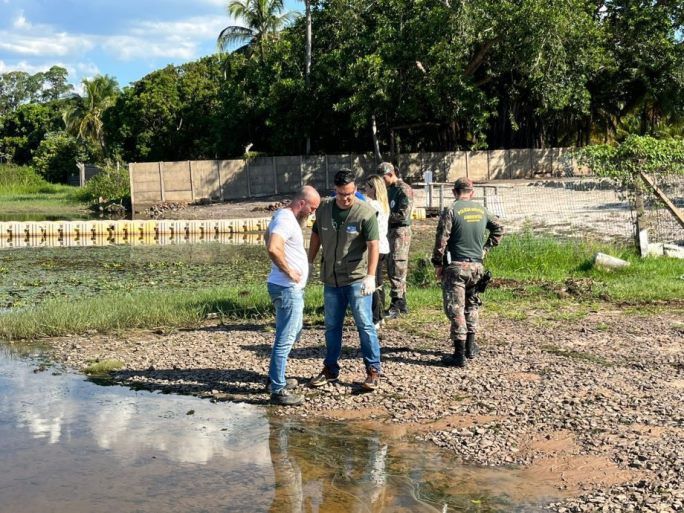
{"x":590,"y":404}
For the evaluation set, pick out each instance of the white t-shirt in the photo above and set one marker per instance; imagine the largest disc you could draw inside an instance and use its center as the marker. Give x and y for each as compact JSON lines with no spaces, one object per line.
{"x":284,"y":223}
{"x":383,"y":223}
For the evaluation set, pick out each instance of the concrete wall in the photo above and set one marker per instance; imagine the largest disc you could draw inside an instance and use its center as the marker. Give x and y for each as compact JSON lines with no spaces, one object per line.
{"x":221,"y":180}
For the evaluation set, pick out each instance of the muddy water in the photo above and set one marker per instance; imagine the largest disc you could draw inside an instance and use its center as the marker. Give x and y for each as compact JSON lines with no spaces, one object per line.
{"x":70,"y":445}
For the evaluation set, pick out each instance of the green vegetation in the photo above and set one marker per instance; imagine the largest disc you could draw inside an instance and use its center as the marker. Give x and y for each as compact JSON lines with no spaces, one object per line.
{"x":103,"y":367}
{"x":417,"y":76}
{"x":52,"y":292}
{"x":111,"y":184}
{"x":25,"y":195}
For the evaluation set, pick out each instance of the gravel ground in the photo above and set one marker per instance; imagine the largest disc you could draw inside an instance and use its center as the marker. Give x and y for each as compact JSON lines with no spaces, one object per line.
{"x":590,"y":405}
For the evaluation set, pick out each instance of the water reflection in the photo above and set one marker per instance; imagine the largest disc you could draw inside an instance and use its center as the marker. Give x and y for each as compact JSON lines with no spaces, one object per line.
{"x":67,"y":444}
{"x":151,"y":239}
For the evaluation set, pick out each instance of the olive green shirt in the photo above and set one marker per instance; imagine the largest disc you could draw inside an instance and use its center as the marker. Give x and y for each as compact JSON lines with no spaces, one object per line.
{"x":461,"y":232}
{"x":344,"y":235}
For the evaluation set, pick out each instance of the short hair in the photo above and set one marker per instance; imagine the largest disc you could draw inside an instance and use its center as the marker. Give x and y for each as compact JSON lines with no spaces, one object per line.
{"x":343,"y":177}
{"x":463,"y":184}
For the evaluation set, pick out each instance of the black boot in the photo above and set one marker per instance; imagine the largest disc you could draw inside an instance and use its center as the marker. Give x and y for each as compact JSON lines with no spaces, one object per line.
{"x":471,"y":348}
{"x":458,"y":358}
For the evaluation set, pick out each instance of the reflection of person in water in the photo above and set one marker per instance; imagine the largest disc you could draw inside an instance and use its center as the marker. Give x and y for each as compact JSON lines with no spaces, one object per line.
{"x":316,"y":477}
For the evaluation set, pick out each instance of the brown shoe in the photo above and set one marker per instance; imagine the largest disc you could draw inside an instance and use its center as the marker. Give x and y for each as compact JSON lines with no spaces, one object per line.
{"x":372,"y":380}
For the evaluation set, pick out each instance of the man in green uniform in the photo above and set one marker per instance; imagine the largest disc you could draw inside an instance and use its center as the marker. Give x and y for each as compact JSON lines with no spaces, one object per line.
{"x":460,"y":248}
{"x":346,"y":232}
{"x":400,"y":198}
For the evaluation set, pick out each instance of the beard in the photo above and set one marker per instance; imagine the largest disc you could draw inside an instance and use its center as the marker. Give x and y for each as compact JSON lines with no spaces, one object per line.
{"x":301,"y":219}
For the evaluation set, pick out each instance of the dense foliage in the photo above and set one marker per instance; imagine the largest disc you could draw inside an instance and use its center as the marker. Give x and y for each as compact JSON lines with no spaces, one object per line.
{"x":625,"y":161}
{"x":408,"y":75}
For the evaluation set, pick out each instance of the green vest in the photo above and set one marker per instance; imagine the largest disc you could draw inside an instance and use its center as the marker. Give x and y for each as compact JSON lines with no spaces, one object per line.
{"x":468,"y":230}
{"x":344,"y":255}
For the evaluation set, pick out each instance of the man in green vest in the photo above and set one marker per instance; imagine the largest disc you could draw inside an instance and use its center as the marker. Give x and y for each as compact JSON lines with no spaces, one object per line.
{"x":346,"y":232}
{"x":459,"y":250}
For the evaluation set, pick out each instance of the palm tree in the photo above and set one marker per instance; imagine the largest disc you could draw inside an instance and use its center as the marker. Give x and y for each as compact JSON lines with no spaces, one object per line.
{"x":83,"y":118}
{"x":262,"y":19}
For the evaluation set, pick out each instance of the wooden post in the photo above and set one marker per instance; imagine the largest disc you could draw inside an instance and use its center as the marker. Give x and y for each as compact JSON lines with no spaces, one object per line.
{"x":160,"y":166}
{"x":668,"y":204}
{"x":441,"y":197}
{"x":192,"y":184}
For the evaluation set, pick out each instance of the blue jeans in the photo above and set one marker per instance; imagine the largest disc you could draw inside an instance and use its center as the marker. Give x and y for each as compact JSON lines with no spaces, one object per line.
{"x":336,"y":300}
{"x":289,"y":313}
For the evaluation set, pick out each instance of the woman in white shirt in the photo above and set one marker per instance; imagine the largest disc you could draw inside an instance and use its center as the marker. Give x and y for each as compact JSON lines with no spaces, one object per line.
{"x":376,"y":193}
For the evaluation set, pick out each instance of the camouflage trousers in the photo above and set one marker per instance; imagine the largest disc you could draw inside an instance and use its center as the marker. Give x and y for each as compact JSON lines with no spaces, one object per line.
{"x":461,"y":302}
{"x":397,"y":262}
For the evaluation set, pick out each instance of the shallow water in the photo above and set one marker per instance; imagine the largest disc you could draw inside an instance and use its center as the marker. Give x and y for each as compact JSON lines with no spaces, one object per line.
{"x":69,"y":445}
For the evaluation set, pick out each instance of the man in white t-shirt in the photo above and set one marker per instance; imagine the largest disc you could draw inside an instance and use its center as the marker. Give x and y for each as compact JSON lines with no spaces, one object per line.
{"x":286,"y":282}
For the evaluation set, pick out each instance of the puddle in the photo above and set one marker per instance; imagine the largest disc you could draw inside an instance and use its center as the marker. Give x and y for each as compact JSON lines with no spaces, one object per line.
{"x":69,"y":445}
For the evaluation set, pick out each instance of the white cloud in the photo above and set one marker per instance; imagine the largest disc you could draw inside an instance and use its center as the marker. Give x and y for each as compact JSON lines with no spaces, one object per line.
{"x":29,"y":68}
{"x":20,"y":22}
{"x":57,"y":44}
{"x":179,"y":39}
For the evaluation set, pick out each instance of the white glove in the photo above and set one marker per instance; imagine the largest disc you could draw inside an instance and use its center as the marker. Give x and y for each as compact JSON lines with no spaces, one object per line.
{"x":312,"y":272}
{"x":368,"y":285}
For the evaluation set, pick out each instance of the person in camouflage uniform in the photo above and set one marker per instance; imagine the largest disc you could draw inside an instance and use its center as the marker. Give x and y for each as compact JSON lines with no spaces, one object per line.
{"x":459,"y":250}
{"x":400,"y":196}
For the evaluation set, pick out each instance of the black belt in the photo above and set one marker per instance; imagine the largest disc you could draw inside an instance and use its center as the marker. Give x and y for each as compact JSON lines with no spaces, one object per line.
{"x":466,"y":259}
{"x":399,"y":225}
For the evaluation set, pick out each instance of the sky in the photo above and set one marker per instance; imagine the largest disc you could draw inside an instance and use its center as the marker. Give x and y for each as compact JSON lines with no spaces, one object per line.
{"x":126,"y":39}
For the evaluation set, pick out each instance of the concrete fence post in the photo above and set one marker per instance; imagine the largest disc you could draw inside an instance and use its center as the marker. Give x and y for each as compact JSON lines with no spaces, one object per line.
{"x":81,"y":173}
{"x":160,"y":166}
{"x":192,"y":182}
{"x":131,"y":168}
{"x":274,"y":166}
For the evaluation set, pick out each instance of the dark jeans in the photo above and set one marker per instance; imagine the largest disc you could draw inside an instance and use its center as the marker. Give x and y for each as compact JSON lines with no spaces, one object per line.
{"x":379,"y":294}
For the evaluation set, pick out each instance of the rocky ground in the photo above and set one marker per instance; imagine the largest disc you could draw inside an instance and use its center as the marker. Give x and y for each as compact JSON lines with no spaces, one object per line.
{"x":591,"y":404}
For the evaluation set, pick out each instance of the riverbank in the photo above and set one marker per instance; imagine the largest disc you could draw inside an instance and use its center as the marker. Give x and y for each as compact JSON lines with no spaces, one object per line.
{"x":591,"y":403}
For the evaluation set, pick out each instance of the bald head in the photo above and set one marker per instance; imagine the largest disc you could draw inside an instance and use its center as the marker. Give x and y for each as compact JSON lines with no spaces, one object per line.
{"x":305,"y":202}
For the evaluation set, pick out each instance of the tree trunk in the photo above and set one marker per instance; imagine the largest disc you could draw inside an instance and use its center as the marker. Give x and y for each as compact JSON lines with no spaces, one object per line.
{"x":307,"y":74}
{"x":376,"y":144}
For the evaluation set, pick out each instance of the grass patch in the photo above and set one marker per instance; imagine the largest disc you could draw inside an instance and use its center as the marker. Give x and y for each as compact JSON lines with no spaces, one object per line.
{"x":103,"y":367}
{"x":26,"y":196}
{"x":59,"y":291}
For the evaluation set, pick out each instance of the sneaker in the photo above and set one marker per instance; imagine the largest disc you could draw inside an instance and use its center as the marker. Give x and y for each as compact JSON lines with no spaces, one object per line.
{"x":372,"y":380}
{"x":290,"y":384}
{"x":377,"y":326}
{"x":285,"y":397}
{"x":393,"y":313}
{"x":326,"y":376}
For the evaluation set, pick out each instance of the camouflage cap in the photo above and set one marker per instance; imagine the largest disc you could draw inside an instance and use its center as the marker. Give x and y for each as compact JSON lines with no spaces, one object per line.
{"x":385,"y":168}
{"x":463,"y":184}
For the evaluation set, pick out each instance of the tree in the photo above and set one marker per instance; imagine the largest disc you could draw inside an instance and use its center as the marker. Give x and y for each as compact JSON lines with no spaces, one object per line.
{"x":19,"y":87}
{"x":83,"y":117}
{"x":262,"y":19}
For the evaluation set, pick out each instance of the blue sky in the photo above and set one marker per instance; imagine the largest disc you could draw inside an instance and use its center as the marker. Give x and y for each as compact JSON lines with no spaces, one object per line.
{"x":123,"y":38}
